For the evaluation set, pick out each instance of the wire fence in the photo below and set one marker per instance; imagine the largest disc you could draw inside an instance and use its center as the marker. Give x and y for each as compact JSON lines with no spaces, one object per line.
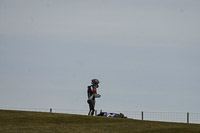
{"x":25,"y":109}
{"x":180,"y":117}
{"x":165,"y":116}
{"x":195,"y":118}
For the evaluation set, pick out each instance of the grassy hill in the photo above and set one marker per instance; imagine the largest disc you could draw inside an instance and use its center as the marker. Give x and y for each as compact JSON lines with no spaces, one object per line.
{"x":37,"y":122}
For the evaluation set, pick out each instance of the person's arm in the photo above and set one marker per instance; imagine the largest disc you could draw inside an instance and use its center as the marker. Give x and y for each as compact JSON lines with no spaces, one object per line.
{"x":95,"y":93}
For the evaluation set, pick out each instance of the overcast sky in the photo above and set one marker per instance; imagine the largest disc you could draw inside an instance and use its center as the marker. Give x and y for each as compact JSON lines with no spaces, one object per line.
{"x":146,"y":54}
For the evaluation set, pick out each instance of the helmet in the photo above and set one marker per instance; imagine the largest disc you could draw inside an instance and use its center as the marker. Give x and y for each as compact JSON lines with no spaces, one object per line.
{"x":95,"y":81}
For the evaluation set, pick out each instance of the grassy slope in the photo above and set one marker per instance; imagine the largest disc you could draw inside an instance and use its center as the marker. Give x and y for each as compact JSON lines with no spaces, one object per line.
{"x":33,"y":122}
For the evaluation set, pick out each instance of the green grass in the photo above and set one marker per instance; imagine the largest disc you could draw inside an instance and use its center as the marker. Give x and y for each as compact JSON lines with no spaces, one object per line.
{"x":37,"y":122}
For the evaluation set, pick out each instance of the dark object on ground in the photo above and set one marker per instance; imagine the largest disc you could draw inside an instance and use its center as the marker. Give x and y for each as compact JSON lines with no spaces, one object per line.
{"x":105,"y":114}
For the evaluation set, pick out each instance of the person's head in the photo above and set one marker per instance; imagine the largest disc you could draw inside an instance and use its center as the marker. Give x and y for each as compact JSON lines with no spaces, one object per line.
{"x":95,"y":82}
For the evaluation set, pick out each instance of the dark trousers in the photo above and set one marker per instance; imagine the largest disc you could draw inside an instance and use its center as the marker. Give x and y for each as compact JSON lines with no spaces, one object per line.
{"x":91,"y":106}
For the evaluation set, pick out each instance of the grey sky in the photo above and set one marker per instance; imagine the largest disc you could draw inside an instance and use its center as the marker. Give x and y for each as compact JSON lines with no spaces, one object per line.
{"x":145,"y":53}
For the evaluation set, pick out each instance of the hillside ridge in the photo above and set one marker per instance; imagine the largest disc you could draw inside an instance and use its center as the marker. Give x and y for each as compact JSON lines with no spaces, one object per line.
{"x":31,"y":122}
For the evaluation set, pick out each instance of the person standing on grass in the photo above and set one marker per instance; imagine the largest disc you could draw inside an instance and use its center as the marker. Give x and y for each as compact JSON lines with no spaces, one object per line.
{"x":92,"y":94}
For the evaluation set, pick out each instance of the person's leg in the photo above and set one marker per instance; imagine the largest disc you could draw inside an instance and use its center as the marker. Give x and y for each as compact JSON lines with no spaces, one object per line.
{"x":89,"y":102}
{"x":89,"y":112}
{"x":92,"y":107}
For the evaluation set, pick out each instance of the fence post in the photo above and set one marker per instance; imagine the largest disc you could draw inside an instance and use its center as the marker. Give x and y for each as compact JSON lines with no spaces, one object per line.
{"x":188,"y":117}
{"x":142,"y":115}
{"x":95,"y":112}
{"x":50,"y":110}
